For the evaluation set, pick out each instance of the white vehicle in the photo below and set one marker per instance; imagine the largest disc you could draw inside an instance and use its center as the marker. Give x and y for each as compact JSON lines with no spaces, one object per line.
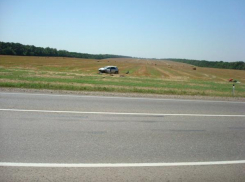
{"x":109,"y":69}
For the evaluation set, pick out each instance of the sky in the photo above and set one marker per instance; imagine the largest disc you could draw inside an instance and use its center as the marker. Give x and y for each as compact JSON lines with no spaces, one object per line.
{"x":211,"y":30}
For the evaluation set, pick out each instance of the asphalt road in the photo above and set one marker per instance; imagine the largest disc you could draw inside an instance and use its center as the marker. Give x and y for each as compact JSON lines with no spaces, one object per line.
{"x":71,"y":129}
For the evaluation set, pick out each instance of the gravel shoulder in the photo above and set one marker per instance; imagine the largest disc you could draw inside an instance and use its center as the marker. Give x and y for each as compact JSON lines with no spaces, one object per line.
{"x":115,"y":94}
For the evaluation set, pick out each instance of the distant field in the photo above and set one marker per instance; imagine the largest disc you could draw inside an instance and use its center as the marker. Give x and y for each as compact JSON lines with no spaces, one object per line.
{"x":145,"y":76}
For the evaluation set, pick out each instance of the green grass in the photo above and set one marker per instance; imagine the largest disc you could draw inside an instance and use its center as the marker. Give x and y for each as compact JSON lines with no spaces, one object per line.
{"x":132,"y":69}
{"x":96,"y":88}
{"x":23,"y":78}
{"x":154,"y":72}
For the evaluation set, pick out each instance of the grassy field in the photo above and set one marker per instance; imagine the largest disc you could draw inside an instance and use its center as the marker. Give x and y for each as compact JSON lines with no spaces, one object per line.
{"x":145,"y":76}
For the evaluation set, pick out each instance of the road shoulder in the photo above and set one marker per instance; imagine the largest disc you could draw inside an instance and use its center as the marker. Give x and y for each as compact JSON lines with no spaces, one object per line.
{"x":116,"y":94}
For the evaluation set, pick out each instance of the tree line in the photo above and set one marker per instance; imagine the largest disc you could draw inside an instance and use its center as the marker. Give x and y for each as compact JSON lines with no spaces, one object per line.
{"x":239,"y":65}
{"x":9,"y":48}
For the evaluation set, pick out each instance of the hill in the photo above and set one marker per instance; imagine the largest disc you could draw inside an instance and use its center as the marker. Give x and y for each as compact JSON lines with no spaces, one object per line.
{"x":17,"y":49}
{"x":145,"y":76}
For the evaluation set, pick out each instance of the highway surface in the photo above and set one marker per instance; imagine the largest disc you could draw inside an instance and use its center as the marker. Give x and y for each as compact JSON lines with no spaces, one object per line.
{"x":93,"y":138}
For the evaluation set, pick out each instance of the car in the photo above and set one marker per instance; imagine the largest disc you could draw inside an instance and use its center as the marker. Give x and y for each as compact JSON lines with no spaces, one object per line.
{"x":109,"y":69}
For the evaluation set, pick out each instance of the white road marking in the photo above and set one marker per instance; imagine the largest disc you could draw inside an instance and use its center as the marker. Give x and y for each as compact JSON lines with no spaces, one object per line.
{"x":101,"y":165}
{"x":126,"y":98}
{"x":119,"y":113}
